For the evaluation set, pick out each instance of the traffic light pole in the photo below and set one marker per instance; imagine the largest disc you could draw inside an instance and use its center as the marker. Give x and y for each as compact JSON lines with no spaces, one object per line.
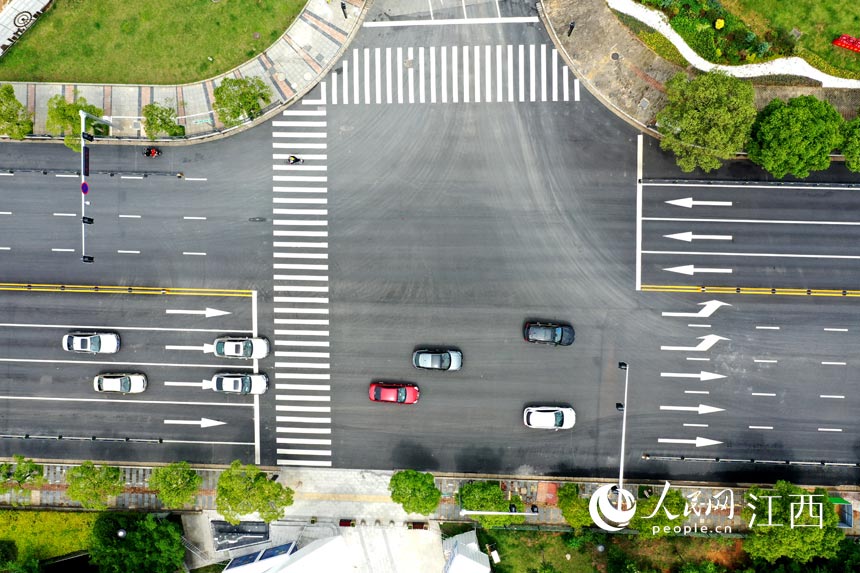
{"x":85,"y":171}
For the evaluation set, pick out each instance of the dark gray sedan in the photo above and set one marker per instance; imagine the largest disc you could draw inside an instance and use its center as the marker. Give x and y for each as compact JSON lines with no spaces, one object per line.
{"x":549,"y":333}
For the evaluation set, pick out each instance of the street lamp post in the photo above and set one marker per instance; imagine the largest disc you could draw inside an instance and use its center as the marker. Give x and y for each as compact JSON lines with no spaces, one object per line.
{"x":85,"y":168}
{"x":623,"y":407}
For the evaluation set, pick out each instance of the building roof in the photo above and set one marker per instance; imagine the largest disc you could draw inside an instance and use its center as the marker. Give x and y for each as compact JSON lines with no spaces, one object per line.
{"x":463,"y":554}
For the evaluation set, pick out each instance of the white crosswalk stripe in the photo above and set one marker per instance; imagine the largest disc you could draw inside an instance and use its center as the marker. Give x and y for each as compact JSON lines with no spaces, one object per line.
{"x":300,"y":221}
{"x":475,"y":74}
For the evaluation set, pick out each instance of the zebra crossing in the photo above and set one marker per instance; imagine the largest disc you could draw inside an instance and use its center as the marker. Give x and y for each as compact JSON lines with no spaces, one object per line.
{"x":301,"y":342}
{"x":452,"y":74}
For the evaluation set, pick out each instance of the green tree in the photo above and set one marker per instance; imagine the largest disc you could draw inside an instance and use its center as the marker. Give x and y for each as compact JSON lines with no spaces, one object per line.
{"x":63,"y":118}
{"x":573,"y":507}
{"x":150,"y":544}
{"x":20,"y":475}
{"x":176,"y":483}
{"x":702,"y":567}
{"x":15,"y":120}
{"x":674,"y":503}
{"x":245,"y":489}
{"x":159,"y":119}
{"x":795,"y":137}
{"x":851,"y":144}
{"x":236,"y":98}
{"x":707,"y":119}
{"x":800,"y":544}
{"x":92,"y":485}
{"x":488,"y":496}
{"x":415,"y":491}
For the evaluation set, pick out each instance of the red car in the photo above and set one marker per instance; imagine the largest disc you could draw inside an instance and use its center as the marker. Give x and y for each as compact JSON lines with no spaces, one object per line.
{"x":397,"y":392}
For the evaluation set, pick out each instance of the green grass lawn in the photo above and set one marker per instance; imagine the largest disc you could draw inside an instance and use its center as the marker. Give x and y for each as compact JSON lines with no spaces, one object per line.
{"x":820,"y":21}
{"x":149,"y":42}
{"x":47,"y":533}
{"x":520,"y":551}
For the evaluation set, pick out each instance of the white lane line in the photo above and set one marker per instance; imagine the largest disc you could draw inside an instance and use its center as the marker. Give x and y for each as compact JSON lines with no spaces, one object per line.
{"x":323,"y":278}
{"x":300,"y":222}
{"x":300,"y":201}
{"x":128,"y":252}
{"x":764,"y":361}
{"x":756,"y":221}
{"x":113,"y":327}
{"x":301,"y":299}
{"x":294,"y":452}
{"x":767,"y":328}
{"x":421,"y":98}
{"x":298,"y":267}
{"x":367,"y":75}
{"x":316,"y":365}
{"x":565,"y":86}
{"x":131,"y":177}
{"x":411,"y":75}
{"x":466,"y":79}
{"x":194,"y":218}
{"x":65,"y":214}
{"x":129,"y":216}
{"x":184,"y":365}
{"x":510,"y":73}
{"x":317,"y":212}
{"x":465,"y":21}
{"x":834,"y":363}
{"x":455,"y":77}
{"x":195,"y":178}
{"x":302,"y":112}
{"x":543,"y":72}
{"x":554,"y":74}
{"x":286,"y":408}
{"x":522,"y":76}
{"x":699,"y":359}
{"x":301,"y":441}
{"x":388,"y":75}
{"x":696,"y":392}
{"x":300,"y":376}
{"x":301,"y":255}
{"x":299,"y":245}
{"x":299,"y":145}
{"x":317,"y":463}
{"x":283,"y":233}
{"x":444,"y":57}
{"x":575,"y":87}
{"x":305,"y":321}
{"x":301,"y":343}
{"x":287,"y":354}
{"x":193,"y":254}
{"x":334,"y":87}
{"x":302,"y":398}
{"x":498,"y":10}
{"x":123,"y":401}
{"x":532,"y":72}
{"x":760,"y":427}
{"x":769,"y":255}
{"x":300,"y":288}
{"x":767,"y":394}
{"x":477,"y":74}
{"x":377,"y":60}
{"x":829,"y":429}
{"x":5,"y":248}
{"x":300,"y":419}
{"x":696,"y":425}
{"x":345,"y":82}
{"x":288,"y":332}
{"x":432,"y":74}
{"x":299,"y":134}
{"x":63,"y":250}
{"x":639,"y":153}
{"x":699,"y":325}
{"x":291,"y":430}
{"x":66,"y":175}
{"x":5,"y":212}
{"x":835,"y":330}
{"x":291,"y":310}
{"x":833,"y":396}
{"x":355,"y":73}
{"x":399,"y":63}
{"x":299,"y":123}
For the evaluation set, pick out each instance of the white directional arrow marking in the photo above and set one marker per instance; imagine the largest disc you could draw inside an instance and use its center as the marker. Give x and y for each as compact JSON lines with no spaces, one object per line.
{"x":692,"y":269}
{"x":206,"y":348}
{"x":202,"y":422}
{"x":688,"y":202}
{"x":689,"y":237}
{"x":698,"y":442}
{"x":708,"y":308}
{"x":208,"y":313}
{"x":701,"y":409}
{"x":703,"y":376}
{"x":705,"y":344}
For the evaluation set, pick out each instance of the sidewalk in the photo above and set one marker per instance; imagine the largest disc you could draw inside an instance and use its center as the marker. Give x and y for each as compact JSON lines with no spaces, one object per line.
{"x":629,"y":78}
{"x":291,"y":67}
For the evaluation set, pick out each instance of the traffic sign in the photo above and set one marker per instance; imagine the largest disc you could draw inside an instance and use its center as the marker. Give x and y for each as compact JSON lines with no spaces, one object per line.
{"x":85,"y":188}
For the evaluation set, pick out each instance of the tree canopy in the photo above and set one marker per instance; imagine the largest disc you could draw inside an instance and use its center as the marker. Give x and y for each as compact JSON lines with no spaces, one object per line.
{"x":707,"y":119}
{"x":176,"y":483}
{"x":236,"y":98}
{"x":573,"y":507}
{"x":158,"y":119}
{"x":92,"y":485}
{"x":851,"y":144}
{"x":795,"y":137}
{"x":20,"y":474}
{"x":245,"y":489}
{"x":800,"y":544}
{"x":63,"y":118}
{"x":488,"y":496}
{"x":150,"y":544}
{"x":415,"y":491}
{"x":674,"y":502}
{"x":15,"y":120}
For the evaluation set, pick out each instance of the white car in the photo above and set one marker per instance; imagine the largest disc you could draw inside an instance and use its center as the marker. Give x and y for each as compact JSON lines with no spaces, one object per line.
{"x":238,"y":383}
{"x":122,"y":383}
{"x":91,"y":342}
{"x":241,"y":347}
{"x":447,"y":359}
{"x":549,"y":418}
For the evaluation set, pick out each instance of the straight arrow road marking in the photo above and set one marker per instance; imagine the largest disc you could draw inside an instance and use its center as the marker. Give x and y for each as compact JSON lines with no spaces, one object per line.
{"x":690,"y":270}
{"x":202,"y":422}
{"x":708,"y":308}
{"x":688,"y":202}
{"x":689,"y":237}
{"x":703,"y":376}
{"x":706,"y":343}
{"x":208,"y":313}
{"x":698,"y":442}
{"x":700,"y":409}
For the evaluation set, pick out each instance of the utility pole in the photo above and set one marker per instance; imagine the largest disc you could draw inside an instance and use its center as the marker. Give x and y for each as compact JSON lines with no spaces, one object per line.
{"x":85,"y":171}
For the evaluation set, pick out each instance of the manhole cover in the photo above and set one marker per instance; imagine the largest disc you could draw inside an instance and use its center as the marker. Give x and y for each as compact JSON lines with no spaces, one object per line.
{"x":615,"y":56}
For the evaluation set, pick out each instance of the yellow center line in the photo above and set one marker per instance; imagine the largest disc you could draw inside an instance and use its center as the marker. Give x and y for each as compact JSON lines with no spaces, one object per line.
{"x":118,"y":289}
{"x":704,"y":289}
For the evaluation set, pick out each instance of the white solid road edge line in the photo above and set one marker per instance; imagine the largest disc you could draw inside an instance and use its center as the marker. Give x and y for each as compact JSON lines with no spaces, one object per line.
{"x":639,"y":152}
{"x":452,"y":22}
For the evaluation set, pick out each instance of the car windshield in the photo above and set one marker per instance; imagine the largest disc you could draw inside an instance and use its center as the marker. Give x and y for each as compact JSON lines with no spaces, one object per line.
{"x":219,"y":347}
{"x":444,"y":361}
{"x":124,"y":384}
{"x":94,"y":342}
{"x":401,"y":394}
{"x":247,"y":348}
{"x":559,"y":419}
{"x":558,"y":332}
